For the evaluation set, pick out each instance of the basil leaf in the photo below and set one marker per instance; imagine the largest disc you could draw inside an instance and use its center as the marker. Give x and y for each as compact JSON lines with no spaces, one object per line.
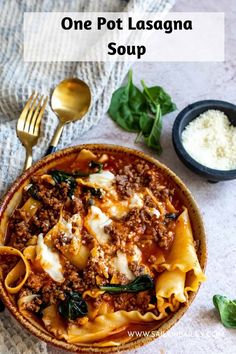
{"x":126,"y":104}
{"x":153,"y":140}
{"x":227,"y":310}
{"x":73,"y":306}
{"x":157,"y":96}
{"x":141,"y":283}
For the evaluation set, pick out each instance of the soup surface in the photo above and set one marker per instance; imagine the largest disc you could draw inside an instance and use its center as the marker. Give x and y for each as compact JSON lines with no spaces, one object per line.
{"x":99,"y":247}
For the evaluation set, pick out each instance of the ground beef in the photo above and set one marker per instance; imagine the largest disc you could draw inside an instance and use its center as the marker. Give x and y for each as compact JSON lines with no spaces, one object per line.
{"x":44,"y":220}
{"x":50,"y":194}
{"x":96,"y":302}
{"x":119,"y":234}
{"x":131,"y":177}
{"x":125,"y":301}
{"x":76,"y":206}
{"x":136,"y":268}
{"x":95,"y":272}
{"x":52,"y":293}
{"x":148,"y":202}
{"x":135,"y":223}
{"x":62,"y":240}
{"x":35,"y":282}
{"x":19,"y":230}
{"x":87,"y":239}
{"x":120,"y":278}
{"x":73,"y":278}
{"x":158,"y":231}
{"x":129,"y":302}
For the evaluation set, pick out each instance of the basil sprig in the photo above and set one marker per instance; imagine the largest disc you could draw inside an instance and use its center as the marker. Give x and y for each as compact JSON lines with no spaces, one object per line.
{"x":141,"y":112}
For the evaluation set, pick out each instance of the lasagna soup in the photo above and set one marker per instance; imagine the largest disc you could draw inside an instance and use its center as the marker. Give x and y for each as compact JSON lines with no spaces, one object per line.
{"x":99,"y":246}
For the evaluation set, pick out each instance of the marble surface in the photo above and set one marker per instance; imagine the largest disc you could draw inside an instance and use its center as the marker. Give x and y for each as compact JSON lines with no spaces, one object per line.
{"x":199,"y":331}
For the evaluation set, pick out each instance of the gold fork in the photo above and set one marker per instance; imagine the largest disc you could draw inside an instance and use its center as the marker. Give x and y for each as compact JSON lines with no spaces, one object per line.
{"x":28,"y":125}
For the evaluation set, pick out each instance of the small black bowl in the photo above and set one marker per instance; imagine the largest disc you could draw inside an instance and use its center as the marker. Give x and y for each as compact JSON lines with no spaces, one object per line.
{"x":183,"y":119}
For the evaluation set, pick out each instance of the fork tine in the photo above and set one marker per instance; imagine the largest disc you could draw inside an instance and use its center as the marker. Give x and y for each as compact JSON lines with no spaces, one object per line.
{"x":23,"y":116}
{"x":30,"y":113}
{"x":38,"y":120}
{"x":33,"y":120}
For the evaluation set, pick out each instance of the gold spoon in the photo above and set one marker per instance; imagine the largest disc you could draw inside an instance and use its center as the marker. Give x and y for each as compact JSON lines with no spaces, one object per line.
{"x":70,"y":101}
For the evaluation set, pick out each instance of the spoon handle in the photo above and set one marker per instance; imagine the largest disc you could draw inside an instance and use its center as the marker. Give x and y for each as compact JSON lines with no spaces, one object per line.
{"x":55,"y":139}
{"x":50,"y":150}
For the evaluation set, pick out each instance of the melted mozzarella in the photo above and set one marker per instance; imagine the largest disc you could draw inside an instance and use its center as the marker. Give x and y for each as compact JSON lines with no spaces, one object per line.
{"x":104,"y":179}
{"x":114,"y":207}
{"x":154,"y":211}
{"x":137,"y":255}
{"x":119,"y":208}
{"x":136,"y":201}
{"x":95,"y":222}
{"x":49,"y":260}
{"x":120,"y":263}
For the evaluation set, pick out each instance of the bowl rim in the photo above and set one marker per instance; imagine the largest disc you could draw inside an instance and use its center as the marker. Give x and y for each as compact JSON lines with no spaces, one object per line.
{"x":139,"y":341}
{"x":185,"y":157}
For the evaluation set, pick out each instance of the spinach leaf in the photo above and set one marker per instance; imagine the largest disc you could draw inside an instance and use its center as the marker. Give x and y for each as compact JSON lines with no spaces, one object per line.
{"x":141,"y":112}
{"x":41,"y":308}
{"x":33,"y":192}
{"x":153,"y":139}
{"x":146,"y":123}
{"x":73,"y":306}
{"x":89,"y":194}
{"x":171,"y":216}
{"x":95,"y":192}
{"x":141,"y":283}
{"x":70,"y":178}
{"x":126,"y":104}
{"x":98,"y":166}
{"x":61,"y":176}
{"x":157,"y":96}
{"x":227,"y":310}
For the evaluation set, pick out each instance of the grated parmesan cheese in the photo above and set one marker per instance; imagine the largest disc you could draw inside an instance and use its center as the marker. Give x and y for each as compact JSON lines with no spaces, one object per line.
{"x":210,"y":139}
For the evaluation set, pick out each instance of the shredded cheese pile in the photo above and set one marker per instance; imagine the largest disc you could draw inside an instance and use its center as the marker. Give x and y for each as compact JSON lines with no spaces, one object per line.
{"x":210,"y":139}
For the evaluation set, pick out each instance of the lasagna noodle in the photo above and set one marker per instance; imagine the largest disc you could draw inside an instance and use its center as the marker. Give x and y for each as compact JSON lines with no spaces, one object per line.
{"x":182,"y":272}
{"x":83,"y":158}
{"x":94,"y":293}
{"x":75,"y":252}
{"x":102,"y":309}
{"x":170,"y":291}
{"x":19,"y":273}
{"x":28,"y":314}
{"x":53,"y":322}
{"x":106,"y":325}
{"x":30,"y":208}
